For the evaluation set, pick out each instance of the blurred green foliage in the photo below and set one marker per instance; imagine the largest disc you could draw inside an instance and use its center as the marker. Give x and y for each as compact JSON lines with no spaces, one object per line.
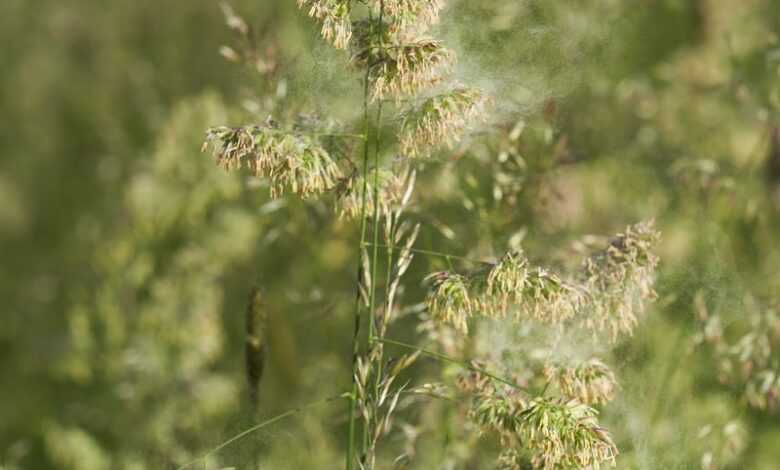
{"x":127,"y":257}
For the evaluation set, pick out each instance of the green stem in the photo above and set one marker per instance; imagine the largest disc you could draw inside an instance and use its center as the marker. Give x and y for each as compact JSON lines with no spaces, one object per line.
{"x":259,"y":426}
{"x":374,"y":267}
{"x":375,"y":255}
{"x":350,"y":457}
{"x":375,"y":220}
{"x":389,"y":273}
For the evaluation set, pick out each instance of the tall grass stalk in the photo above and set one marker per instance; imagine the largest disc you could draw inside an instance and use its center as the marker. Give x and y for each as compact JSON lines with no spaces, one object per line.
{"x":606,"y":296}
{"x":350,"y":453}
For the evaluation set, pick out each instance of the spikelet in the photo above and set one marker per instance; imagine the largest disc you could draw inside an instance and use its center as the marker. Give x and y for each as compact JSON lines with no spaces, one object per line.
{"x":506,"y":283}
{"x":556,"y":433}
{"x":550,"y":299}
{"x":290,"y":162}
{"x":449,"y":300}
{"x":440,"y":120}
{"x":413,"y":13}
{"x":509,"y":285}
{"x":615,"y":286}
{"x":591,"y":382}
{"x":564,"y":434}
{"x":335,"y":18}
{"x":398,"y":66}
{"x":620,"y":280}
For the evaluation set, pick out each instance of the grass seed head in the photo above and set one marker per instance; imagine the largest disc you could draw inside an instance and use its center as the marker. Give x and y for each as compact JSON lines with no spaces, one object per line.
{"x":449,"y":300}
{"x":440,"y":120}
{"x":399,"y":65}
{"x":418,"y":14}
{"x":335,"y":16}
{"x":290,"y":162}
{"x":591,"y":382}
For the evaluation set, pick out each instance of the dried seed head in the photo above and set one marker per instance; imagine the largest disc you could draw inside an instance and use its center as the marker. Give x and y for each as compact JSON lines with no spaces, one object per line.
{"x":290,"y":162}
{"x":335,"y":18}
{"x":440,"y":120}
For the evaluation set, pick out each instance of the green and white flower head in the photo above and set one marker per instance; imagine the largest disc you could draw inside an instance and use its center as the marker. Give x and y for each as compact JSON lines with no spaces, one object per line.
{"x":290,"y":162}
{"x":335,"y":18}
{"x":418,"y":14}
{"x":591,"y":382}
{"x":506,"y":283}
{"x":440,"y":120}
{"x":449,"y":300}
{"x":564,"y":434}
{"x":399,"y":65}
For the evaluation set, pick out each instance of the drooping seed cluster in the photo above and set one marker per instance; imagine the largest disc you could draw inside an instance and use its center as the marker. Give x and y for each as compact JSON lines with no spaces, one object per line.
{"x":449,"y":299}
{"x":617,"y":284}
{"x":563,"y":434}
{"x":506,"y":281}
{"x":335,"y":18}
{"x":591,"y":382}
{"x":557,"y":432}
{"x":440,"y":119}
{"x":550,"y":299}
{"x":290,"y":162}
{"x":508,"y":287}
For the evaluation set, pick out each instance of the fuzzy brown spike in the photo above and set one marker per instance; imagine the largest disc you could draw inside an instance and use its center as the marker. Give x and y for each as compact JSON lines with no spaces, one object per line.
{"x":773,"y":165}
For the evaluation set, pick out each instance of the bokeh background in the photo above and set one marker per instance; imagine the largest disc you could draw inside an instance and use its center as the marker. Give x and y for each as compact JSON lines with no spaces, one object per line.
{"x":126,"y":256}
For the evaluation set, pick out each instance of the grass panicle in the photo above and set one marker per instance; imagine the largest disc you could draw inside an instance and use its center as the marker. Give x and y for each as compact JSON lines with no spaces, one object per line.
{"x":334,"y":15}
{"x":440,"y":120}
{"x":291,"y":162}
{"x":398,"y":66}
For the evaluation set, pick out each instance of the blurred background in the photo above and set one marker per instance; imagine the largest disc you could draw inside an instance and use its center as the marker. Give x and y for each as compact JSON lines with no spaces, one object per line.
{"x":127,"y":257}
